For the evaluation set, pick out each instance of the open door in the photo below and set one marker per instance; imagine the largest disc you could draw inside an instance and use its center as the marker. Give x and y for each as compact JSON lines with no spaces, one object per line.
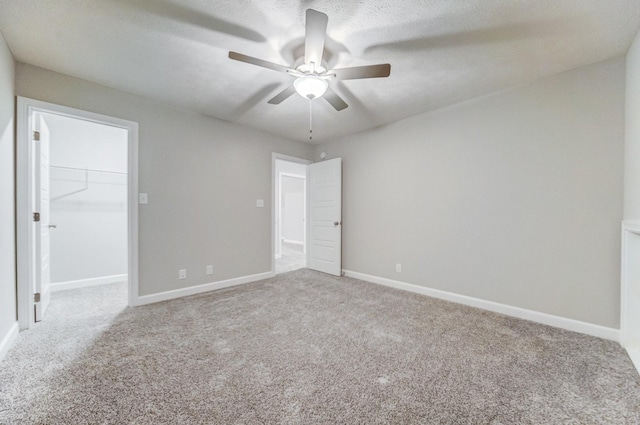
{"x":630,"y":292}
{"x":41,"y":216}
{"x":325,"y":216}
{"x":33,"y":195}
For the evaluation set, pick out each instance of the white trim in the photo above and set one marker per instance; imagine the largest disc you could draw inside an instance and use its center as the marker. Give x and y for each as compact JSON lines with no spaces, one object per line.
{"x":521,"y":313}
{"x":24,"y":189}
{"x":277,"y":204}
{"x":628,"y":331}
{"x":81,"y":283}
{"x":199,"y":289}
{"x":8,"y":340}
{"x":24,"y":205}
{"x":292,"y":242}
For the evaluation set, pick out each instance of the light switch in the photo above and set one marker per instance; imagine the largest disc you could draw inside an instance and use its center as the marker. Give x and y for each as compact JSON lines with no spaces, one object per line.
{"x":260,"y":203}
{"x":143,"y":198}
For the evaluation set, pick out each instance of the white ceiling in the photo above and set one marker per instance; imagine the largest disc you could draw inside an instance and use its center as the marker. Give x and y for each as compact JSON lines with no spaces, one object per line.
{"x":440,"y":51}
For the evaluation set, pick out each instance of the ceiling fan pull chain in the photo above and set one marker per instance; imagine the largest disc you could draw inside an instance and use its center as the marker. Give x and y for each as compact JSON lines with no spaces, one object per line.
{"x":310,"y":120}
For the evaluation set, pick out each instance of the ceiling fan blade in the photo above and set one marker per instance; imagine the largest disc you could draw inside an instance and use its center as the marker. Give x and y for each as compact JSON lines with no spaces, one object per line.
{"x":335,"y":100}
{"x":357,"y":72}
{"x":315,"y":34}
{"x":259,"y":62}
{"x":282,"y":95}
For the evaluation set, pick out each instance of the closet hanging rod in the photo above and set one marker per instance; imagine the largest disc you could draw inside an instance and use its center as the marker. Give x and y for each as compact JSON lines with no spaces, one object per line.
{"x":87,"y":169}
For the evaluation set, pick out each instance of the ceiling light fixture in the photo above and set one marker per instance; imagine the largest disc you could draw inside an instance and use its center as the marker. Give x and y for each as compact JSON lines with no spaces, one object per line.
{"x":311,"y":72}
{"x":310,"y":86}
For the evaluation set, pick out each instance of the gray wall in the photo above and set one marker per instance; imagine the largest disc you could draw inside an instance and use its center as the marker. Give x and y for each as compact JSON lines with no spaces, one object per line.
{"x":203,"y":177}
{"x":7,"y":192}
{"x":514,"y":198}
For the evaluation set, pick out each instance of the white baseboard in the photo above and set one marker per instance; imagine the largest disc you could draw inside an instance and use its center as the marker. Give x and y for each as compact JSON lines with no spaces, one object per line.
{"x":8,"y":340}
{"x":521,"y":313}
{"x":193,"y":290}
{"x":292,"y":242}
{"x":81,"y":283}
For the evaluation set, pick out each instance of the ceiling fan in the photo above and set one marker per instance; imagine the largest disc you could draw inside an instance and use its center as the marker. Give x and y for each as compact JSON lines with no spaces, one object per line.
{"x":310,"y":71}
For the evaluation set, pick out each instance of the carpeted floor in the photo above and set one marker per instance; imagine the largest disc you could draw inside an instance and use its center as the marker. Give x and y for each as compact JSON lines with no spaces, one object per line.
{"x":307,"y":348}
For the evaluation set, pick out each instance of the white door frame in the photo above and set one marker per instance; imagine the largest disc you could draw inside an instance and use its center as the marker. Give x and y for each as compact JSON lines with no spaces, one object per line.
{"x":630,"y":291}
{"x":42,"y":258}
{"x":25,"y":191}
{"x":274,"y":157}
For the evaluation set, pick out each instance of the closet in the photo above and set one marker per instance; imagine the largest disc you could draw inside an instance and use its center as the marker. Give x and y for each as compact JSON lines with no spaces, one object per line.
{"x":88,"y":202}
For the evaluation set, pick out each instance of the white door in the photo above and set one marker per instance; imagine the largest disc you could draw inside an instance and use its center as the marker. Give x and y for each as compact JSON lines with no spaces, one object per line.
{"x":630,"y":292}
{"x":325,"y":216}
{"x":41,"y":206}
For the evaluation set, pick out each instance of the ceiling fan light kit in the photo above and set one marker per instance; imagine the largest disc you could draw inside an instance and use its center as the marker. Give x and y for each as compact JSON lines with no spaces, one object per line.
{"x":310,"y":86}
{"x":312,"y":77}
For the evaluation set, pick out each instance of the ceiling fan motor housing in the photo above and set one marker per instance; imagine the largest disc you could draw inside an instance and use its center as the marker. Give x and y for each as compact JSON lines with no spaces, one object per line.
{"x":305,"y":68}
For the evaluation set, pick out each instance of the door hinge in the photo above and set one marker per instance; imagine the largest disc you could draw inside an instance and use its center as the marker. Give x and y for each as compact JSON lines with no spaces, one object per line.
{"x":36,"y":136}
{"x":36,"y":297}
{"x":36,"y":216}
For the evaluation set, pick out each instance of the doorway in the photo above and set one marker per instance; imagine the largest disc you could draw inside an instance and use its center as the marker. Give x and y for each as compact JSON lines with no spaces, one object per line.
{"x":320,"y":247}
{"x":630,"y":292}
{"x":77,"y":204}
{"x":88,"y":203}
{"x":290,"y":200}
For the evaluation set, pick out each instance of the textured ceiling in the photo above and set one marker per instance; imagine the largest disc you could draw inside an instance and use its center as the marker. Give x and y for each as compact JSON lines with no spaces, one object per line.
{"x":440,"y":51}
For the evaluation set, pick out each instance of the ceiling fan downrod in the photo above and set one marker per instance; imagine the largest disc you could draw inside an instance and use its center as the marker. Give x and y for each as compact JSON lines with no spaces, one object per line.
{"x":310,"y":120}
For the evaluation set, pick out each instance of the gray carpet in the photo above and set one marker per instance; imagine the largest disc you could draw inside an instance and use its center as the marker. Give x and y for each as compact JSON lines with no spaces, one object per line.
{"x":306,"y":348}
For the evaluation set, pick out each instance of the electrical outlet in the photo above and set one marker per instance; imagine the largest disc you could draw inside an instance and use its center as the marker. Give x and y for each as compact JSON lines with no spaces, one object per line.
{"x":398,"y":268}
{"x":182,"y":273}
{"x":209,"y":269}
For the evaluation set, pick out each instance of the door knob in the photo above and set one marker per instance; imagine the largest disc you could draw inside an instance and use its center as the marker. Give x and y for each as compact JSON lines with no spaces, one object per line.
{"x":52,"y":226}
{"x":336,"y":223}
